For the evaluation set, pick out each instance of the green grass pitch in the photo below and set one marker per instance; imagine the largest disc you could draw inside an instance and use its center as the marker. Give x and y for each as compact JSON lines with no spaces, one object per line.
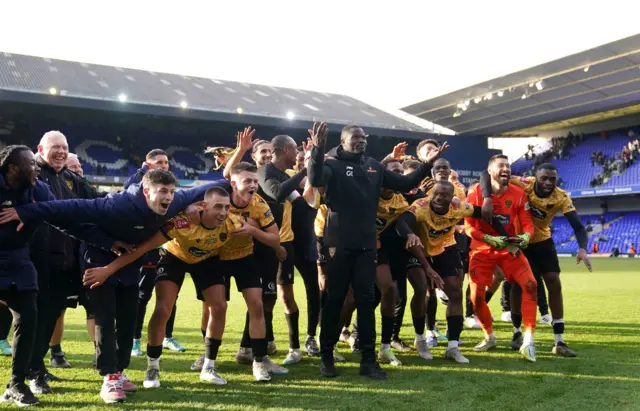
{"x":602,"y":325}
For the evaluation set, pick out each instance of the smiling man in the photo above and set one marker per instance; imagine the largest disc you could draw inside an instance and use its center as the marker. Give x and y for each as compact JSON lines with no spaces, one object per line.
{"x":54,"y":255}
{"x":132,"y":217}
{"x":547,"y":200}
{"x":353,"y":183}
{"x":489,"y":249}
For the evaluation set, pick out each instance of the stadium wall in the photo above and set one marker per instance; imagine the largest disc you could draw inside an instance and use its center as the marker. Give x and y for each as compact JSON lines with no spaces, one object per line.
{"x":606,"y":125}
{"x":599,"y":205}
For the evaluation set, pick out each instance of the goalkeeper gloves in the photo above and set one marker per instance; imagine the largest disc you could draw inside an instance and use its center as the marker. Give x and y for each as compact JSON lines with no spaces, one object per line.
{"x":526,"y":237}
{"x":496,"y":242}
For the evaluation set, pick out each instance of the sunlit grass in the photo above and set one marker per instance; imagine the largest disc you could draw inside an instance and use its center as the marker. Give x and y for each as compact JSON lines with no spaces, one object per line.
{"x":602,"y":325}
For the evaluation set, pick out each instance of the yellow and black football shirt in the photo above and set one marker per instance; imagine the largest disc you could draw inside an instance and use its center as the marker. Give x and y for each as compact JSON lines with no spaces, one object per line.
{"x":242,"y":246}
{"x":543,"y":209}
{"x":193,"y":243}
{"x":433,"y":229}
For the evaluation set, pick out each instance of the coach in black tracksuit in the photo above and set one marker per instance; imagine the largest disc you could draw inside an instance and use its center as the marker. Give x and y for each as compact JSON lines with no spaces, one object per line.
{"x":54,"y":255}
{"x":352,"y":185}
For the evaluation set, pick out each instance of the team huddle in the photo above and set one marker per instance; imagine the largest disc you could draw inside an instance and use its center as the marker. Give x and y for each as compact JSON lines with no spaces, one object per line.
{"x":354,"y":228}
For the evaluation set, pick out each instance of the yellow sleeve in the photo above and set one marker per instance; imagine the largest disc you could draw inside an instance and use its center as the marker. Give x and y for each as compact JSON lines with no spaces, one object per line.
{"x":264,"y":214}
{"x":420,"y":208}
{"x":522,"y":182}
{"x":464,"y":210}
{"x":290,"y":172}
{"x":171,"y":229}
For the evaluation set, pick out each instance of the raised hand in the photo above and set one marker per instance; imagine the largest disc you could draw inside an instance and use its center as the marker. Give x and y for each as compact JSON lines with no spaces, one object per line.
{"x":435,"y":154}
{"x":306,"y":145}
{"x":245,"y":137}
{"x":319,"y":134}
{"x":399,"y":151}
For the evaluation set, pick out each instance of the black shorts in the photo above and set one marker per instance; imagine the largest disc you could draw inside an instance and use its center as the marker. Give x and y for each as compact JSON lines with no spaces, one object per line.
{"x":245,"y":270}
{"x":268,"y":263}
{"x":204,"y":274}
{"x":399,"y":261}
{"x":286,"y":268}
{"x":543,"y":257}
{"x":454,"y":248}
{"x":446,"y":264}
{"x":322,"y":252}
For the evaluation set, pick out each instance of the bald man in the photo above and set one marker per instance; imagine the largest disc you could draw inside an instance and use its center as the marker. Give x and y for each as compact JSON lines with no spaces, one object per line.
{"x":54,"y":256}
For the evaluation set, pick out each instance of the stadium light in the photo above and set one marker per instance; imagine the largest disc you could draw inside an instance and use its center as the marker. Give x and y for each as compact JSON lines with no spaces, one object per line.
{"x":183,"y":104}
{"x":524,"y":96}
{"x":530,"y":84}
{"x":53,"y":91}
{"x":290,"y":115}
{"x":239,"y":110}
{"x":477,"y":100}
{"x":586,"y":69}
{"x":122,"y":97}
{"x":539,"y":85}
{"x":500,"y":93}
{"x":489,"y":96}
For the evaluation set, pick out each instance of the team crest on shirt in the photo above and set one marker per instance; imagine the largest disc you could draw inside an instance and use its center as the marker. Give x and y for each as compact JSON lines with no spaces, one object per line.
{"x":168,"y":226}
{"x":69,"y":184}
{"x":371,"y":170}
{"x":182,"y":223}
{"x":268,"y":214}
{"x":223,"y":236}
{"x":508,"y":203}
{"x":550,"y":206}
{"x":332,"y":251}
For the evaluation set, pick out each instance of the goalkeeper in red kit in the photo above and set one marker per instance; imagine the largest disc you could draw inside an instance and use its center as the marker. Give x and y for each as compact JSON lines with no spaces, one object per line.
{"x":490,"y":249}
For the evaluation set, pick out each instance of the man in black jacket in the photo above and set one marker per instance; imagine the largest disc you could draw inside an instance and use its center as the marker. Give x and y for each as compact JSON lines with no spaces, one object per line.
{"x":279,"y":191}
{"x":352,"y":185}
{"x":54,"y":255}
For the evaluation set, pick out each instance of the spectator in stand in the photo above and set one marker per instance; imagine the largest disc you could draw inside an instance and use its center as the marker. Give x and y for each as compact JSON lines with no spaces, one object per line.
{"x":632,"y":249}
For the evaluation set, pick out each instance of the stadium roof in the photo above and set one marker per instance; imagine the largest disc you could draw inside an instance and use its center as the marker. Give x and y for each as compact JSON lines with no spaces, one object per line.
{"x":51,"y":81}
{"x":597,"y":80}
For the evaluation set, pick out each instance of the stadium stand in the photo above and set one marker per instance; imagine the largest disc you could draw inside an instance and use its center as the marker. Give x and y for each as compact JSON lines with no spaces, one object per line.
{"x":578,"y":169}
{"x":619,"y":230}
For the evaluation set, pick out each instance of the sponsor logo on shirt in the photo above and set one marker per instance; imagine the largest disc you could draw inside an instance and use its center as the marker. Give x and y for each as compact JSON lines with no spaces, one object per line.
{"x":182,"y":223}
{"x":371,"y":170}
{"x":503,"y":219}
{"x":538,"y":214}
{"x":7,"y":203}
{"x":508,"y":203}
{"x":438,"y":233}
{"x":196,"y":252}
